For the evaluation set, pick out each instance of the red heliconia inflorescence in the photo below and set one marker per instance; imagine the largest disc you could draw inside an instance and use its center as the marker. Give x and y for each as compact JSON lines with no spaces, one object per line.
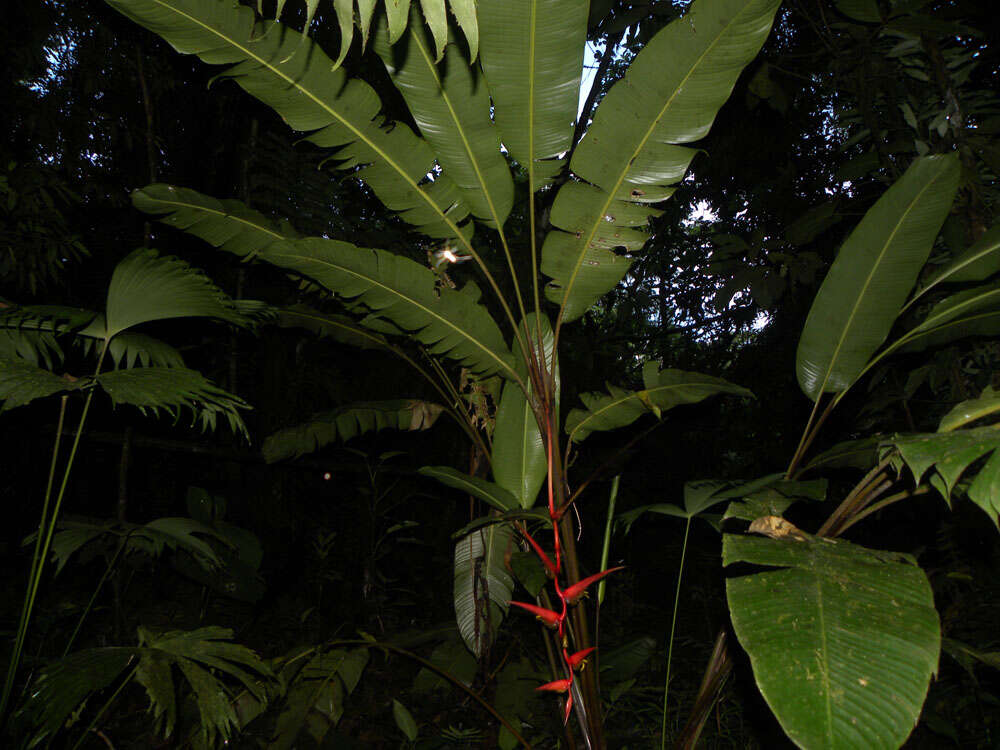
{"x":568,"y":596}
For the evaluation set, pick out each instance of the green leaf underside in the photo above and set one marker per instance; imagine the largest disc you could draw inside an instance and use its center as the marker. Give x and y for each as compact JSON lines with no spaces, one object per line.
{"x":843,"y":640}
{"x":946,"y":456}
{"x":347,"y":422}
{"x":492,"y":494}
{"x":532,"y":53}
{"x":875,"y":270}
{"x":969,"y":411}
{"x":340,"y":328}
{"x":663,"y":390}
{"x":174,"y":389}
{"x":21,"y":382}
{"x":451,"y":107}
{"x":483,"y":585}
{"x":630,"y":155}
{"x":225,"y":224}
{"x":294,"y":77}
{"x":448,"y":322}
{"x":520,"y":464}
{"x":146,"y":286}
{"x":979,"y":262}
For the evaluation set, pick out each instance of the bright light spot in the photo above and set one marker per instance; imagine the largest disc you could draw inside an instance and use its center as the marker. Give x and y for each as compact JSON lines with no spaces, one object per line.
{"x":327,"y":476}
{"x":449,"y":256}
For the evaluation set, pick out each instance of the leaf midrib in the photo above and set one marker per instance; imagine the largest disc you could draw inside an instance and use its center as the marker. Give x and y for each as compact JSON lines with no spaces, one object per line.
{"x":593,"y":414}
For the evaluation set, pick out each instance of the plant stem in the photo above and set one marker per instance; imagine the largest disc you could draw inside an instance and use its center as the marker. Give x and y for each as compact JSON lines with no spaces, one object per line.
{"x":106,"y":705}
{"x":606,"y":549}
{"x":93,"y":597}
{"x":670,"y":646}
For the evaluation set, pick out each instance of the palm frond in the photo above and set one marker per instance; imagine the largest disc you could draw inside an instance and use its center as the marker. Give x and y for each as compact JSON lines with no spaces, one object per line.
{"x":21,"y":382}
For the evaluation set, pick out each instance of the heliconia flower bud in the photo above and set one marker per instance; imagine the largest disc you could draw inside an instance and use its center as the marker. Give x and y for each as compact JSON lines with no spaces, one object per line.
{"x":569,"y":706}
{"x":547,"y":616}
{"x":578,"y":660}
{"x":559,"y":686}
{"x":550,"y":567}
{"x":572,"y":594}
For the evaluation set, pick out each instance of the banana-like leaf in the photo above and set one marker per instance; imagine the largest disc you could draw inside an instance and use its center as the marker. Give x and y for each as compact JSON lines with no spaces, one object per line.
{"x":855,"y":454}
{"x":947,"y":456}
{"x":294,"y":77}
{"x":22,"y":382}
{"x":483,"y":585}
{"x":520,"y":464}
{"x":226,"y":224}
{"x":451,"y":106}
{"x":985,"y":323}
{"x":663,"y":389}
{"x":978,"y":263}
{"x":492,"y":494}
{"x":969,"y":411}
{"x":146,"y":286}
{"x":875,"y":270}
{"x":347,"y":422}
{"x":963,"y":305}
{"x":337,"y":327}
{"x":843,"y":640}
{"x":173,"y":390}
{"x":532,"y":53}
{"x":629,"y":156}
{"x":449,"y":322}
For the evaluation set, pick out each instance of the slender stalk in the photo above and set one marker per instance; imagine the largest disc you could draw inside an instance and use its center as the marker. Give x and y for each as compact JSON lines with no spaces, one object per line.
{"x":606,"y":548}
{"x":93,"y":597}
{"x":106,"y":705}
{"x":875,"y":507}
{"x":810,"y":432}
{"x":670,"y":646}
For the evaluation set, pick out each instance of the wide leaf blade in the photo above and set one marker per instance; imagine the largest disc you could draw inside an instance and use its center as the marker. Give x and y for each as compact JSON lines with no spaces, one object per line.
{"x":874,"y":272}
{"x":630,"y":156}
{"x":843,"y":640}
{"x":451,"y":106}
{"x":483,"y":585}
{"x":492,"y":494}
{"x":22,"y":382}
{"x":532,"y":53}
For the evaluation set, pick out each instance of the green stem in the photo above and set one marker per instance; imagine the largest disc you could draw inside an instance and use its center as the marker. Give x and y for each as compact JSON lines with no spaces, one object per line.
{"x":93,"y":597}
{"x":670,"y":646}
{"x":106,"y":705}
{"x":606,"y":549}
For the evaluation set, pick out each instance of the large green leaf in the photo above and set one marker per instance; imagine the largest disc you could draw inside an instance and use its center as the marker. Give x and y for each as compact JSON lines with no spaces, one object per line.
{"x":226,"y":224}
{"x":483,"y":585}
{"x":532,"y":53}
{"x":22,"y":382}
{"x":146,"y":286}
{"x":979,"y":262}
{"x":629,"y":157}
{"x":843,"y":640}
{"x":347,"y":422}
{"x":451,"y":106}
{"x":449,"y":322}
{"x":492,"y":494}
{"x":875,"y":270}
{"x":296,"y":78}
{"x":663,"y":389}
{"x":520,"y":463}
{"x":172,"y":390}
{"x":945,"y":458}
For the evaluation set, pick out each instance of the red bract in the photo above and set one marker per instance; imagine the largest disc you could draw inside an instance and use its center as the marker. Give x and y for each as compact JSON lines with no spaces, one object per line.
{"x":572,"y":594}
{"x":559,"y":686}
{"x":569,"y":706}
{"x":550,"y":567}
{"x":578,"y":660}
{"x":547,"y":616}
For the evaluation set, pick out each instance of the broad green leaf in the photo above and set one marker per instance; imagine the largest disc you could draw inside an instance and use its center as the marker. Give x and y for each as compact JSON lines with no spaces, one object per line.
{"x":532,"y":53}
{"x":146,"y":286}
{"x":520,"y":464}
{"x":623,"y":662}
{"x":451,"y":106}
{"x":454,"y":658}
{"x":226,"y":224}
{"x":404,"y":719}
{"x":448,"y":322}
{"x":842,"y":640}
{"x":875,"y":270}
{"x":978,"y":263}
{"x":172,"y":390}
{"x":340,"y":328}
{"x":22,"y":382}
{"x":664,"y":389}
{"x":346,"y":422}
{"x":492,"y":494}
{"x":969,"y":411}
{"x":963,"y":305}
{"x":984,"y":323}
{"x":630,"y":156}
{"x":947,"y":456}
{"x":865,"y":11}
{"x":855,"y":454}
{"x":483,"y":585}
{"x":63,"y":685}
{"x":295,"y":77}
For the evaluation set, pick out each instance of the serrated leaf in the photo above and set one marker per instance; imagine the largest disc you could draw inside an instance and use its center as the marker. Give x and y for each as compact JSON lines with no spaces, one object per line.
{"x":842,"y":640}
{"x":21,"y":382}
